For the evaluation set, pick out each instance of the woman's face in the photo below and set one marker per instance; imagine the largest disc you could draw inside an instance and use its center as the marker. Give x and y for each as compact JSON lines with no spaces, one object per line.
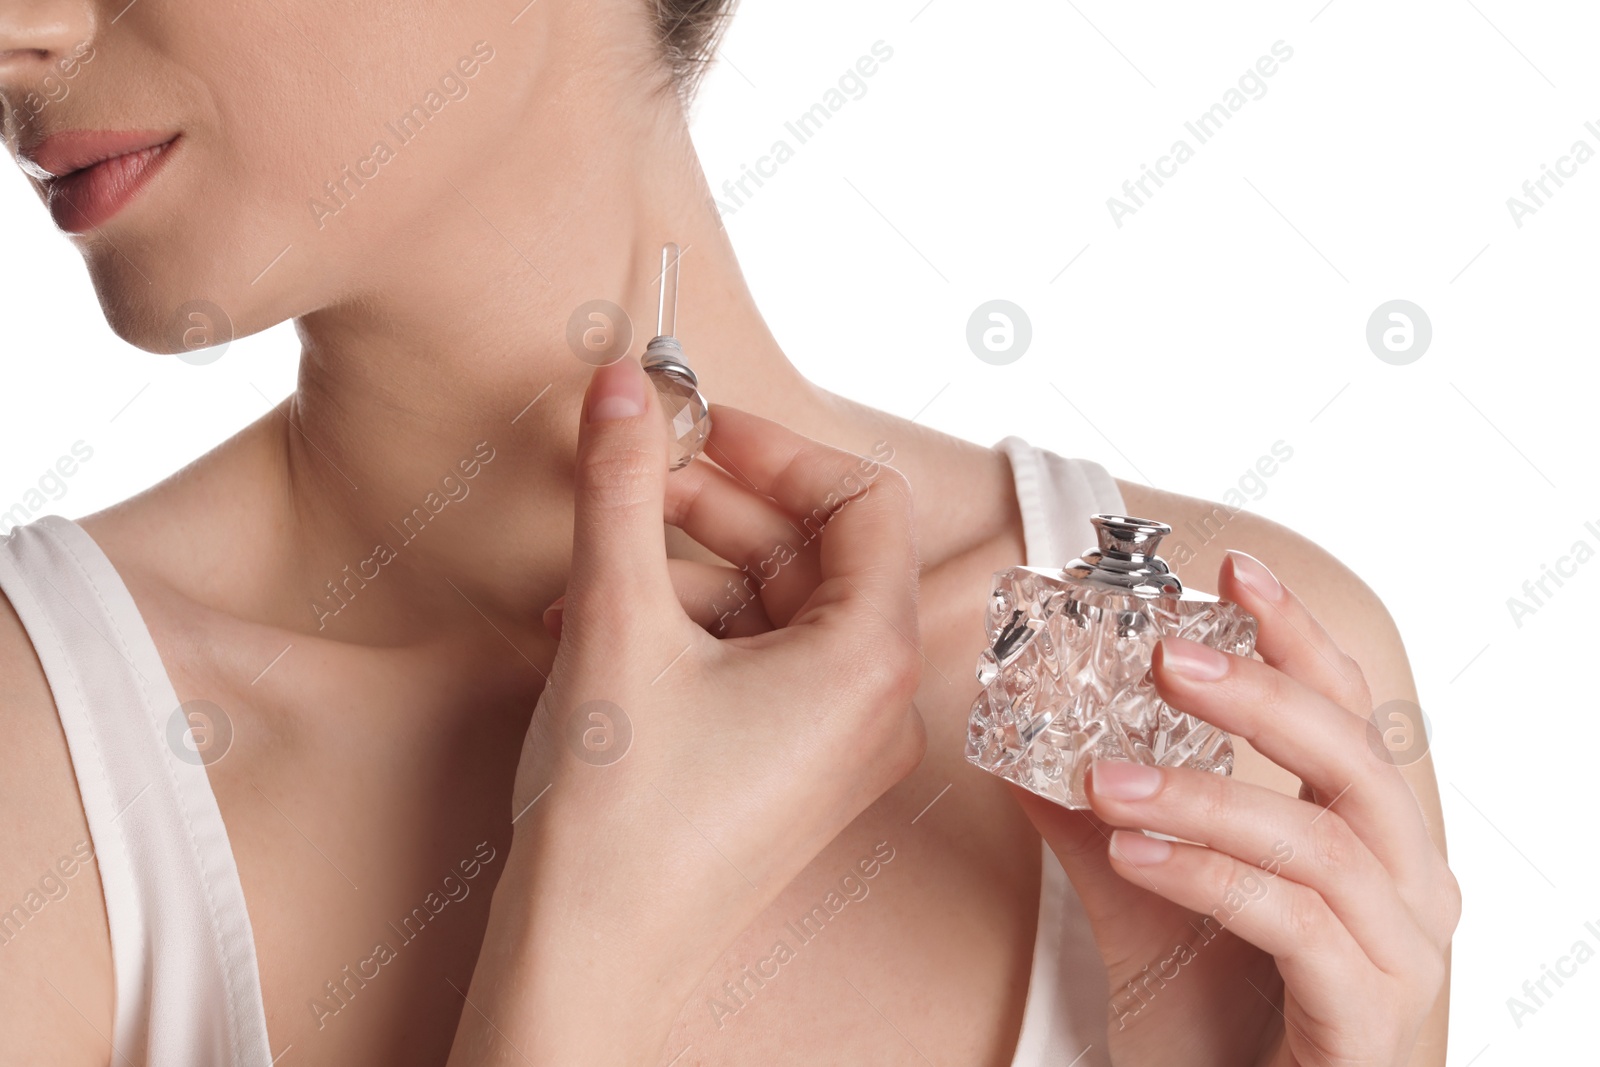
{"x":305,"y":141}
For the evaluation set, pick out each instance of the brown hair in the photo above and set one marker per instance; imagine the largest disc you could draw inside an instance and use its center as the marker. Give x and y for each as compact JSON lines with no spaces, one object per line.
{"x":689,"y":31}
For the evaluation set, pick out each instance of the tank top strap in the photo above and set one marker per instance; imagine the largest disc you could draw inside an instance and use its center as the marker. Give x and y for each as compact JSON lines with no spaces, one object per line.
{"x":187,"y":986}
{"x":1064,"y":1020}
{"x":1057,"y":495}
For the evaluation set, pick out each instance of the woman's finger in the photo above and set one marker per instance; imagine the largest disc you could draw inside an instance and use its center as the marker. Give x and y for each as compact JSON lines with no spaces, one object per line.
{"x":713,"y":596}
{"x":1279,"y":834}
{"x":1290,"y":638}
{"x":749,"y":530}
{"x":619,"y":558}
{"x":1307,"y":734}
{"x":718,"y":599}
{"x":862,"y":507}
{"x":1288,"y":921}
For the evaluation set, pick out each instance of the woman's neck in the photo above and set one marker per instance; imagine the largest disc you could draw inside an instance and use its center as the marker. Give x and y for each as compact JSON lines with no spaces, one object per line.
{"x":455,"y":346}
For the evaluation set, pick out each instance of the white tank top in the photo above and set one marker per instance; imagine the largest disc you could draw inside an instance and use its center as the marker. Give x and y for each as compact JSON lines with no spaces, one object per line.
{"x":188,"y":992}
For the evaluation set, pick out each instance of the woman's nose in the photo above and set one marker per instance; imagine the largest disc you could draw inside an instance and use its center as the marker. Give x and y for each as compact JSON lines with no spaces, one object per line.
{"x":35,"y":37}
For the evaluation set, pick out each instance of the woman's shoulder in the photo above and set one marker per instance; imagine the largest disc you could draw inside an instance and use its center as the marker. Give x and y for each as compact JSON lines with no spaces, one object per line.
{"x":1348,"y":608}
{"x":52,"y":915}
{"x":52,"y":904}
{"x":1205,"y":530}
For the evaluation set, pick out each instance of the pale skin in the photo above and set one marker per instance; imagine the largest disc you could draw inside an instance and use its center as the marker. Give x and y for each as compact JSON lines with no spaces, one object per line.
{"x":433,"y":309}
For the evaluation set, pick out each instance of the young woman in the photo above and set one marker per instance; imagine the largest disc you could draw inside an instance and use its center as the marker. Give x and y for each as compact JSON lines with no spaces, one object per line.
{"x":272,"y":741}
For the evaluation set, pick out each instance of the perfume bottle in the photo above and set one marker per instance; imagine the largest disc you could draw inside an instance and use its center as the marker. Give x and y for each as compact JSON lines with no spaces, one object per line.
{"x":1066,"y":675}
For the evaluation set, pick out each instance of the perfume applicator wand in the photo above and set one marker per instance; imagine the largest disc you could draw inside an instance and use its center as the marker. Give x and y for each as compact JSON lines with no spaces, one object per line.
{"x":688,"y":416}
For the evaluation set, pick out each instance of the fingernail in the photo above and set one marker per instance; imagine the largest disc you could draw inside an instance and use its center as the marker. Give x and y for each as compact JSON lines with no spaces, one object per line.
{"x":1122,"y":780}
{"x":1254,"y":573}
{"x":616,"y":392}
{"x":552,"y":614}
{"x":1193,"y":660}
{"x":1139,"y":850}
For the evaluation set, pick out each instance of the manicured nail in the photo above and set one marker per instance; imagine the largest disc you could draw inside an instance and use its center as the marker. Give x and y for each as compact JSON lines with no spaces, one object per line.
{"x":1122,"y":780}
{"x":616,"y":391}
{"x":1139,"y":850}
{"x":1192,"y":660}
{"x":1254,"y":573}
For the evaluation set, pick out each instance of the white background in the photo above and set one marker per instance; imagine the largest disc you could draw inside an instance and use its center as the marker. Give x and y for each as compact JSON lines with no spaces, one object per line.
{"x":1226,"y":314}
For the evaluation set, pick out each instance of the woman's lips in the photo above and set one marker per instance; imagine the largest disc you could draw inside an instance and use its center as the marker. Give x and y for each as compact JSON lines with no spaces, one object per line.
{"x":88,"y":198}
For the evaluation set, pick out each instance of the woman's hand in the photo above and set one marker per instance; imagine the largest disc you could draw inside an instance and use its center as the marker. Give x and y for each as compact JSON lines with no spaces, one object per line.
{"x":673,"y":782}
{"x":1308,"y":932}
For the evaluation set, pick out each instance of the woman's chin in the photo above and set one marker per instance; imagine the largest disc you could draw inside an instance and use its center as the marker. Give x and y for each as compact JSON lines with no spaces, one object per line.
{"x":173,"y":292}
{"x":173,"y":325}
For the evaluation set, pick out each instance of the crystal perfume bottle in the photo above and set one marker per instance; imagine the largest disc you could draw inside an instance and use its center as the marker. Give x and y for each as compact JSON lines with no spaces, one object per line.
{"x":1067,"y":673}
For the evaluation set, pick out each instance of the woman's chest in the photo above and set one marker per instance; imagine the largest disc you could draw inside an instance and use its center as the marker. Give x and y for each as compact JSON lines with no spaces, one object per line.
{"x":365,"y":798}
{"x":368,"y":869}
{"x":370,"y":827}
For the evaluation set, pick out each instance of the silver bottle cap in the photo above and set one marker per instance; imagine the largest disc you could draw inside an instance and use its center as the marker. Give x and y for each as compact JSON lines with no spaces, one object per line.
{"x":1126,"y":559}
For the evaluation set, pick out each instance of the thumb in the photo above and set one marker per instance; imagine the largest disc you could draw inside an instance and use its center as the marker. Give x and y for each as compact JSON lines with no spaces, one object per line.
{"x":619,"y":555}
